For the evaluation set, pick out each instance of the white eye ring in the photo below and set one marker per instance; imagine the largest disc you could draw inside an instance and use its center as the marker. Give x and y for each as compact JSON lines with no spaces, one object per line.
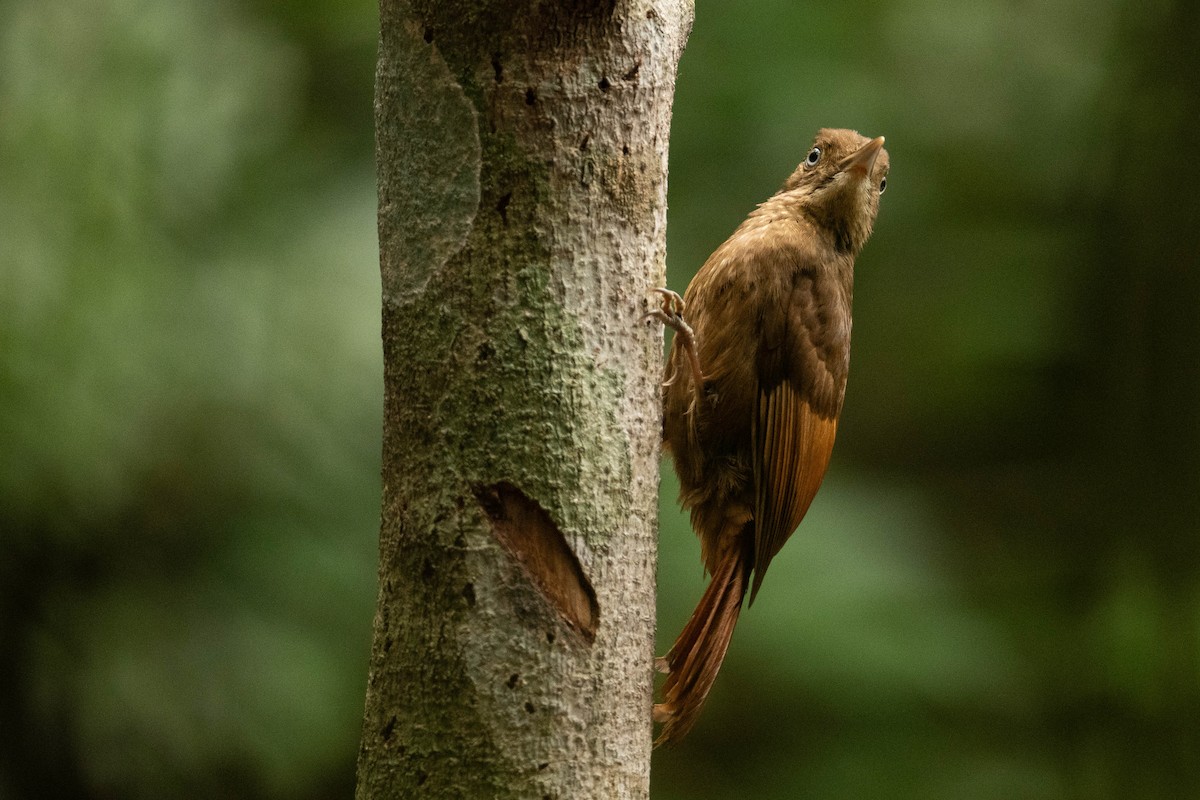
{"x":882,"y":185}
{"x":814,"y":156}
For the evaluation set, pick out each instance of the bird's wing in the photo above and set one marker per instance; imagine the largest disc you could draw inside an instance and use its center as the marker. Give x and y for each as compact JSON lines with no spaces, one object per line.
{"x":801,"y":376}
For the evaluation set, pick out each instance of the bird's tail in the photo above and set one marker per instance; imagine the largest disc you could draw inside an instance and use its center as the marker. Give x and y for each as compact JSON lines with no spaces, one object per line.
{"x":695,"y":659}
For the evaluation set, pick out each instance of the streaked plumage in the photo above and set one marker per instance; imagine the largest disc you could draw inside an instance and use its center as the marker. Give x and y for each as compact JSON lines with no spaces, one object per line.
{"x":771,"y":315}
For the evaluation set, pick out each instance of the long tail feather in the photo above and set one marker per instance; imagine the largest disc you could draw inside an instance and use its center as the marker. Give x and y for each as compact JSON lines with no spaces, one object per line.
{"x":695,"y":659}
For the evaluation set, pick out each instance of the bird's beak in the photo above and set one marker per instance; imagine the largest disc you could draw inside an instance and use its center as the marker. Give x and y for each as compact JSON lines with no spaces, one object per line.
{"x":862,"y":160}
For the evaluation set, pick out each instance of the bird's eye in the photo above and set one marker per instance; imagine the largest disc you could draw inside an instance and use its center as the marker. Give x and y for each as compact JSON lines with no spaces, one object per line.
{"x":882,"y":185}
{"x":814,"y":156}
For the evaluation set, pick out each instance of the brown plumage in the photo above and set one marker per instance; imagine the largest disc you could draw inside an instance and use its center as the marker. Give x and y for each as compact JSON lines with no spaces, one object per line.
{"x":754,"y":387}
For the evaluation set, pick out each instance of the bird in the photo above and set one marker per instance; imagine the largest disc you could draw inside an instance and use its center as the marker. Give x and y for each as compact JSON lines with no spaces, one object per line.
{"x":753,"y":389}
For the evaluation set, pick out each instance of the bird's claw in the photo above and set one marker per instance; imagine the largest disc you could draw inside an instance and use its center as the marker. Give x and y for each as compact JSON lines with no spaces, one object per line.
{"x":671,"y":312}
{"x":671,"y":315}
{"x":672,"y":304}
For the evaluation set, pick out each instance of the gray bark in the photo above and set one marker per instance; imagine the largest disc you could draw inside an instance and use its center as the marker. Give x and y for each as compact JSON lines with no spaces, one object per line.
{"x":522,"y":156}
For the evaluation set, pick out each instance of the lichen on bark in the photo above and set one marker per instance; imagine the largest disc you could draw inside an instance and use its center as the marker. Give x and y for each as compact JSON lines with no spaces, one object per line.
{"x":522,"y":167}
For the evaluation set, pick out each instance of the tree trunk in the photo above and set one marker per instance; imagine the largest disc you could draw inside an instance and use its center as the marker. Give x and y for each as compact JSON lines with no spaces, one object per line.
{"x":522,"y":156}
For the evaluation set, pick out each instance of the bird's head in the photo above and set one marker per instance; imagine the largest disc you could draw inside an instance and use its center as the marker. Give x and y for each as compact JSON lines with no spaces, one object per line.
{"x":839,"y":182}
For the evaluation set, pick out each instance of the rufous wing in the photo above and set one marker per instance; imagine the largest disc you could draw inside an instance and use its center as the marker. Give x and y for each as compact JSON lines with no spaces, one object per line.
{"x":801,"y":379}
{"x":792,"y":445}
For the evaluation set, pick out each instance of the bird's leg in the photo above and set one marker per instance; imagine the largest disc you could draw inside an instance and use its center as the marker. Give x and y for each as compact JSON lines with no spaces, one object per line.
{"x":671,"y":315}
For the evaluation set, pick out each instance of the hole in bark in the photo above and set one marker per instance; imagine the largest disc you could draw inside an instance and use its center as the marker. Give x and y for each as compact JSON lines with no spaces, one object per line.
{"x":387,"y":645}
{"x":584,"y":144}
{"x":387,"y":729}
{"x":529,"y":709}
{"x":550,"y":637}
{"x":542,"y":767}
{"x":526,"y":531}
{"x":468,"y":594}
{"x":633,"y":72}
{"x":513,"y":680}
{"x":485,"y":353}
{"x":498,"y":68}
{"x":605,"y":85}
{"x":428,"y":35}
{"x":530,"y":97}
{"x":625,"y":149}
{"x":502,"y":207}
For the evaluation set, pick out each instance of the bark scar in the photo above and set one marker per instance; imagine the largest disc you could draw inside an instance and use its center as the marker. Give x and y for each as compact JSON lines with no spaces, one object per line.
{"x":526,"y":531}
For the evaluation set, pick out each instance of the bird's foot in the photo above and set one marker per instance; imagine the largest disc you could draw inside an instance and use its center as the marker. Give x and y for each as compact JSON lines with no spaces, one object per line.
{"x":671,"y":312}
{"x":671,"y":315}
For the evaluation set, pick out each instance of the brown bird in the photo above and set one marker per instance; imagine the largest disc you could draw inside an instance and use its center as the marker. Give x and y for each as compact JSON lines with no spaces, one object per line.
{"x":754,"y":386}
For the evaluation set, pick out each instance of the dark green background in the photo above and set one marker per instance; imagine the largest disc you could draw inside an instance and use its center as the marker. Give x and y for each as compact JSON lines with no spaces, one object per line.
{"x":996,"y":594}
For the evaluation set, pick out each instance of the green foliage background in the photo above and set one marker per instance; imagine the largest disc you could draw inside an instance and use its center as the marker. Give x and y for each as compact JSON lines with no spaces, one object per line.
{"x":996,"y":595}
